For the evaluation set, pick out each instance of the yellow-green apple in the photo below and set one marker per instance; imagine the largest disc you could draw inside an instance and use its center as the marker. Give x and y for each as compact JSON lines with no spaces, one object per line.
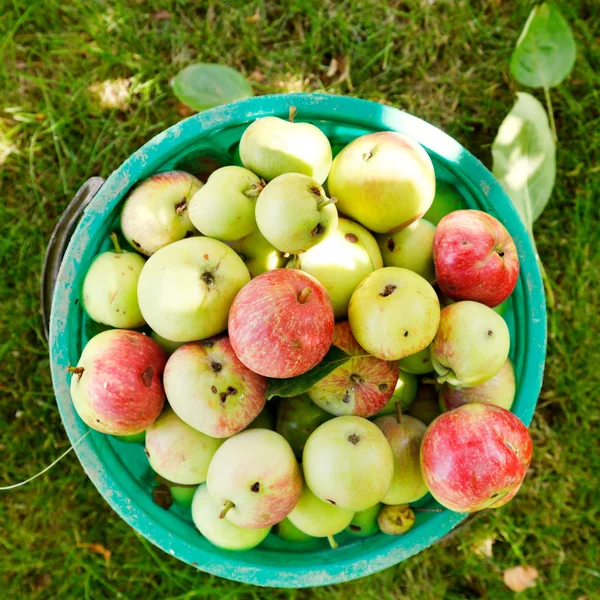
{"x":155,"y":213}
{"x":362,"y":386}
{"x":404,"y":435}
{"x":471,"y":344}
{"x":116,"y":386}
{"x":348,"y":463}
{"x":211,"y":390}
{"x":475,"y":457}
{"x":396,"y":520}
{"x":340,"y":262}
{"x":319,"y":519}
{"x":383,"y":180}
{"x":288,"y":531}
{"x":257,"y":253}
{"x":418,"y":363}
{"x":224,"y":207}
{"x":294,"y":214}
{"x":499,"y":390}
{"x":405,"y":393}
{"x":254,"y":479}
{"x":167,"y":345}
{"x":475,"y":258}
{"x":394,"y":313}
{"x":271,"y":147}
{"x":221,"y":532}
{"x":426,"y":407}
{"x":364,"y":522}
{"x":185,"y":290}
{"x":410,"y":248}
{"x":446,"y":200}
{"x":109,"y":292}
{"x":281,"y":323}
{"x":177,"y":451}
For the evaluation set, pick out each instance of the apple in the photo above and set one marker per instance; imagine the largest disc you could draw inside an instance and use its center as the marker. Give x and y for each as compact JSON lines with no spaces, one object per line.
{"x":410,"y":248}
{"x":446,"y":200}
{"x":211,"y":390}
{"x":362,"y":386}
{"x":224,"y":207}
{"x":271,"y":147}
{"x":155,"y":212}
{"x":364,"y":523}
{"x":288,"y":531}
{"x":297,"y":418}
{"x":418,"y":363}
{"x":348,"y":463}
{"x":426,"y":406}
{"x":475,"y":457}
{"x":319,"y":519}
{"x":136,"y":438}
{"x":396,"y":520}
{"x":178,"y":452}
{"x":475,"y":258}
{"x":254,"y":479}
{"x":109,"y":292}
{"x":294,"y":214}
{"x":183,"y":494}
{"x":257,"y":253}
{"x":501,"y":309}
{"x":265,"y":420}
{"x":167,"y":345}
{"x":185,"y":290}
{"x":222,"y":532}
{"x":404,"y":434}
{"x":471,"y":344}
{"x":405,"y":393}
{"x":340,"y":262}
{"x":383,"y":180}
{"x":499,"y":390}
{"x":117,"y":385}
{"x":394,"y":313}
{"x":281,"y":323}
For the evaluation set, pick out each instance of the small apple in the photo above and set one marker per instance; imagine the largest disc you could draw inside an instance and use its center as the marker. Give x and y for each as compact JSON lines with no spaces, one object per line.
{"x":167,"y":345}
{"x":475,"y":457}
{"x":362,"y":386}
{"x":418,"y":363}
{"x":185,"y":290}
{"x":446,"y":200}
{"x":257,"y":253}
{"x":255,"y":479}
{"x":364,"y":523}
{"x":224,"y":207}
{"x":410,"y":248}
{"x":396,"y":520}
{"x":155,"y":213}
{"x":281,"y":323}
{"x":340,"y":262}
{"x":116,"y":387}
{"x":294,"y":214}
{"x":404,"y":393}
{"x":475,"y":258}
{"x":339,"y":462}
{"x":183,"y":494}
{"x":383,"y":180}
{"x":499,"y":390}
{"x":426,"y":407}
{"x":222,"y":532}
{"x":471,"y":344}
{"x":271,"y":147}
{"x":394,"y":313}
{"x":211,"y":390}
{"x":288,"y":531}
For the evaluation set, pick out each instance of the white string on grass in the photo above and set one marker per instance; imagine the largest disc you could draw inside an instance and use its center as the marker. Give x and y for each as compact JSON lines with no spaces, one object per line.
{"x":16,"y":485}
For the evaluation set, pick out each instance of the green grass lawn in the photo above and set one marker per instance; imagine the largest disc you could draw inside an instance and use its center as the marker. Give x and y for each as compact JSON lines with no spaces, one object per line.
{"x":444,"y":61}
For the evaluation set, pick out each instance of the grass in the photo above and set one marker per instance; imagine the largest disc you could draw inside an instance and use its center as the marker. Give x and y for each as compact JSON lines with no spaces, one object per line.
{"x":445,"y":61}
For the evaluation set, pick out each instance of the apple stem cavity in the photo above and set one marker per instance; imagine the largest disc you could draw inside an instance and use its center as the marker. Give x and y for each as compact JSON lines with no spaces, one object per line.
{"x":292,"y":114}
{"x":208,"y":278}
{"x":332,"y":542}
{"x":180,"y":207}
{"x":76,"y":371}
{"x":255,"y":189}
{"x":304,"y":294}
{"x":388,"y":290}
{"x":115,"y":240}
{"x":353,"y":439}
{"x":228,"y":506}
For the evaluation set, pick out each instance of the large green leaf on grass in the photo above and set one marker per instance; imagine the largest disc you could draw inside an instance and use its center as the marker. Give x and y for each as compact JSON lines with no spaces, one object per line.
{"x":545,"y":51}
{"x":206,"y":85}
{"x":524,"y":157}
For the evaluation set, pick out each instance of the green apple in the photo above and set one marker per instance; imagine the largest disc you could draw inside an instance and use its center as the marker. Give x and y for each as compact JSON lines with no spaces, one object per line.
{"x":264,"y":420}
{"x":418,"y":363}
{"x":185,"y":289}
{"x":339,"y":462}
{"x":294,"y":214}
{"x":183,"y":494}
{"x":257,"y":253}
{"x":271,"y":147}
{"x":502,"y":308}
{"x":426,"y":407}
{"x":405,"y":393}
{"x":396,"y":520}
{"x":341,"y":261}
{"x":222,"y":532}
{"x":410,"y":248}
{"x":446,"y":200}
{"x":167,"y":345}
{"x":288,"y":531}
{"x":383,"y":180}
{"x":471,"y":344}
{"x":394,"y":313}
{"x":364,"y":522}
{"x":224,"y":207}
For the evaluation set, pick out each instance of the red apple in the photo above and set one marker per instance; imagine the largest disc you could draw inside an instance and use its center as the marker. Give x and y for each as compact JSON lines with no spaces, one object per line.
{"x":475,"y":457}
{"x":360,"y":387}
{"x":281,"y":323}
{"x":475,"y":258}
{"x":117,"y":385}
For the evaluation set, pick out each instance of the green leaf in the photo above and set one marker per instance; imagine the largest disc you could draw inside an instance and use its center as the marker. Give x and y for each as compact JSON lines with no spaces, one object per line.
{"x":545,"y":51}
{"x":294,"y":386}
{"x":524,"y":158}
{"x":206,"y":85}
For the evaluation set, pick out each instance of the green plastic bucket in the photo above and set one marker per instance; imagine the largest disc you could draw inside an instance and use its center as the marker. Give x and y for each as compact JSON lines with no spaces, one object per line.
{"x":120,"y":471}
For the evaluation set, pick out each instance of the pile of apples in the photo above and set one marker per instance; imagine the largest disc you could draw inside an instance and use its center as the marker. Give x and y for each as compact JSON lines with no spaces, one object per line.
{"x":315,"y":283}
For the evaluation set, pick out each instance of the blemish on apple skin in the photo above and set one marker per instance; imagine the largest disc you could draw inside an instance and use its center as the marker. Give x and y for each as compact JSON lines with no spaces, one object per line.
{"x":206,"y":257}
{"x":350,"y":237}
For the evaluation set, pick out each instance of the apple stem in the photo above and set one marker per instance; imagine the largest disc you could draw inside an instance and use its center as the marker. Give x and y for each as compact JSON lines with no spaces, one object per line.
{"x":228,"y":505}
{"x":115,"y":241}
{"x":399,"y":412}
{"x":430,"y":380}
{"x":332,"y":542}
{"x":255,"y":189}
{"x":427,"y":510}
{"x":326,"y":202}
{"x":304,"y":294}
{"x":292,"y":113}
{"x":76,"y":371}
